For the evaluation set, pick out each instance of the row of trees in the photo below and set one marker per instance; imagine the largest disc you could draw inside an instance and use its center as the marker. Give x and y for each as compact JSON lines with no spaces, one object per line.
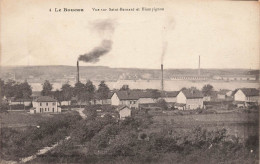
{"x":83,"y":92}
{"x":14,"y":89}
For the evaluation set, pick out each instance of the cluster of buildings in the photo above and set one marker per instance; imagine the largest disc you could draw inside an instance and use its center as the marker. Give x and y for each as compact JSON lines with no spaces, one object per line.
{"x":126,"y":100}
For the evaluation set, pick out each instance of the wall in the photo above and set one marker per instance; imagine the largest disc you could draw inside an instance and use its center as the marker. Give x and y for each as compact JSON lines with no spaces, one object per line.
{"x":42,"y":107}
{"x":239,"y":96}
{"x":129,"y":103}
{"x":181,"y":98}
{"x":115,"y":100}
{"x":252,"y":99}
{"x":65,"y":103}
{"x":25,"y":103}
{"x":221,"y":96}
{"x":146,"y":100}
{"x":126,"y":112}
{"x":194,"y":103}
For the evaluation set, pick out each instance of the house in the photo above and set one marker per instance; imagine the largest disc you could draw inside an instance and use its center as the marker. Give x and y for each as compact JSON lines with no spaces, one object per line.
{"x":189,"y":99}
{"x":141,"y":98}
{"x":246,"y":96}
{"x":124,"y":111}
{"x":45,"y":104}
{"x":128,"y":98}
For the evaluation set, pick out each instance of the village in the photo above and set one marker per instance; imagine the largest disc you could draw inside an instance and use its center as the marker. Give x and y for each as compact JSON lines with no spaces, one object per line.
{"x":129,"y":83}
{"x":125,"y":99}
{"x":184,"y":111}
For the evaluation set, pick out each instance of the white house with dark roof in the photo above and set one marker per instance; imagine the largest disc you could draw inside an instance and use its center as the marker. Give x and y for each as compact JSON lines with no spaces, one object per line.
{"x":45,"y":104}
{"x":128,"y":98}
{"x":189,"y":99}
{"x":246,"y":95}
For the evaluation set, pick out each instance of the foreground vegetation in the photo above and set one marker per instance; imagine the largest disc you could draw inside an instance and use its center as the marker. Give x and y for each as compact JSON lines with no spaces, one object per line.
{"x":107,"y":140}
{"x":17,"y":144}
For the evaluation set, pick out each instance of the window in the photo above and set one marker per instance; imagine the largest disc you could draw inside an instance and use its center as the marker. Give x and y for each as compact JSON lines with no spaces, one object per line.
{"x":45,"y":110}
{"x":46,"y":104}
{"x":53,"y":103}
{"x":48,"y":110}
{"x":40,"y":104}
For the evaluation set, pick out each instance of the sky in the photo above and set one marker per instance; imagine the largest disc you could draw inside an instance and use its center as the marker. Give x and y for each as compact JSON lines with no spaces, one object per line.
{"x":225,"y":34}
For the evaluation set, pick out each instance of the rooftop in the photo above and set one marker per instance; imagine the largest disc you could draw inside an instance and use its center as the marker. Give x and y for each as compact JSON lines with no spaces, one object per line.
{"x":250,"y":91}
{"x":45,"y":99}
{"x":191,"y":94}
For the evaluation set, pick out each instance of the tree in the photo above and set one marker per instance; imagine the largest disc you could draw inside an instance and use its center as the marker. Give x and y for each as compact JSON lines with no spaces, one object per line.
{"x":58,"y":96}
{"x":162,"y":104}
{"x":80,"y":92}
{"x":124,"y":88}
{"x":26,"y":90}
{"x":207,"y":90}
{"x":46,"y":88}
{"x":67,"y":91}
{"x":90,"y":90}
{"x":102,"y":91}
{"x":9,"y":88}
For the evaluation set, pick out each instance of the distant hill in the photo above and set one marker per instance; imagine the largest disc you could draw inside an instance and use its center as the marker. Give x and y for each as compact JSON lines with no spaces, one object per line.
{"x":57,"y":73}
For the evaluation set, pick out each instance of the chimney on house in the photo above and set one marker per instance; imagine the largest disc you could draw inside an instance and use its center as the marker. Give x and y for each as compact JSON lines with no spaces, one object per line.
{"x":162,"y":85}
{"x":77,"y":71}
{"x":199,"y":66}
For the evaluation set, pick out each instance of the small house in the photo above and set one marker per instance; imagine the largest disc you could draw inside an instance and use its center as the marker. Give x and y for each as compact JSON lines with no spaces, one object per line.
{"x":124,"y":111}
{"x":128,"y":98}
{"x":246,"y":96}
{"x":45,"y":104}
{"x":189,"y":99}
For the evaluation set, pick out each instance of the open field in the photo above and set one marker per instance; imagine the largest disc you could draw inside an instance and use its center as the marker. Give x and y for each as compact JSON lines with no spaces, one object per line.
{"x":18,"y":119}
{"x":241,"y":125}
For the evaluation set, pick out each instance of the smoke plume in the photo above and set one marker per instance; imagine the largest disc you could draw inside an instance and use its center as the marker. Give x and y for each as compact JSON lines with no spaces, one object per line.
{"x":168,"y":26}
{"x":105,"y":29}
{"x":93,"y":56}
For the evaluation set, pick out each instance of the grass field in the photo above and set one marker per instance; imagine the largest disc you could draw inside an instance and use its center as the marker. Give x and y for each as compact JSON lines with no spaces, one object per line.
{"x":241,"y":125}
{"x":19,"y":119}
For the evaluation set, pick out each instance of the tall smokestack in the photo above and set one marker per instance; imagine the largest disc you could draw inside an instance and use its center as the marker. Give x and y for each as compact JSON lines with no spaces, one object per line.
{"x":77,"y":71}
{"x":162,"y":78}
{"x":199,"y":66}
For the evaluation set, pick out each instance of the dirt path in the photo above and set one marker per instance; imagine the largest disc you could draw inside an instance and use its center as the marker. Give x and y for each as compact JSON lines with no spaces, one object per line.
{"x":46,"y":149}
{"x":80,"y":110}
{"x":42,"y":151}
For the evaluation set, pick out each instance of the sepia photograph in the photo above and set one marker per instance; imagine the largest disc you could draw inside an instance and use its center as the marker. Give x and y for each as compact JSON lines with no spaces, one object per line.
{"x":129,"y":82}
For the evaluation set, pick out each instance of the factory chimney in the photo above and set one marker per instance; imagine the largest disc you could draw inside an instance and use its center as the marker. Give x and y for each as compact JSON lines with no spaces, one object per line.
{"x":199,"y":66}
{"x":162,"y":85}
{"x":77,"y":71}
